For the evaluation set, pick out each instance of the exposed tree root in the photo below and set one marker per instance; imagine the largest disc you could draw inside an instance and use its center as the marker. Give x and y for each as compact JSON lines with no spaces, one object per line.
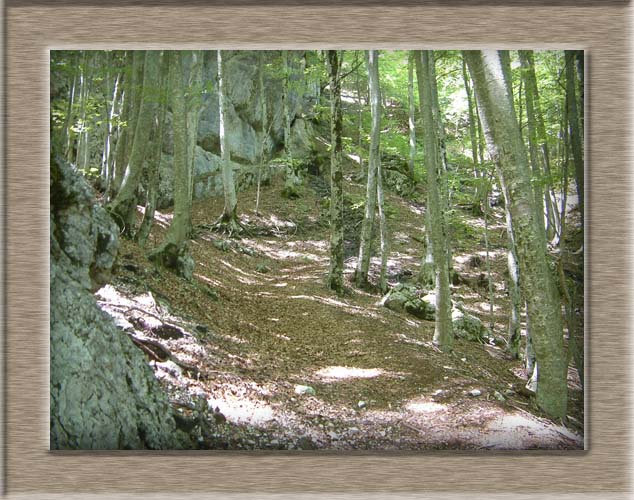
{"x":229,"y":226}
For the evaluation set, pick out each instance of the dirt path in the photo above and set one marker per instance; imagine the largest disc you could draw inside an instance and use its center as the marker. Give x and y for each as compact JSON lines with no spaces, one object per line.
{"x":283,"y":363}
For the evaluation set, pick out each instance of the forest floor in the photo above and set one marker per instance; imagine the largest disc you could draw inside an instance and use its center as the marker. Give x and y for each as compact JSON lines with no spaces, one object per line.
{"x":259,"y":354}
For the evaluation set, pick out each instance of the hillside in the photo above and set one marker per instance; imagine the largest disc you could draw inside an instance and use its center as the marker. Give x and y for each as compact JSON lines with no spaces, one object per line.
{"x":257,"y":322}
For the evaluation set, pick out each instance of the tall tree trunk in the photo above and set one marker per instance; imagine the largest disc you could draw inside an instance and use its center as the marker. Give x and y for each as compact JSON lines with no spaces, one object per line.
{"x":513,"y":285}
{"x":292,"y":176}
{"x":528,"y":62}
{"x":412,"y":108}
{"x":194,"y":108}
{"x":229,"y":215}
{"x":155,"y":158}
{"x":172,"y":252}
{"x":81,"y":159}
{"x":507,"y":149}
{"x":264,"y":128}
{"x":335,"y":275}
{"x":359,"y":53}
{"x":478,"y":198}
{"x":576,"y":134}
{"x":375,"y":158}
{"x":443,"y":333}
{"x":70,"y":112}
{"x":124,"y":202}
{"x":531,"y":121}
{"x":367,"y":228}
{"x":107,"y":150}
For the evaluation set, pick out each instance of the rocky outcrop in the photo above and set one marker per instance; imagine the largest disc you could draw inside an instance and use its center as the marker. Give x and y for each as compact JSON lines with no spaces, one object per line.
{"x":406,"y":297}
{"x":103,"y":393}
{"x":244,"y":127}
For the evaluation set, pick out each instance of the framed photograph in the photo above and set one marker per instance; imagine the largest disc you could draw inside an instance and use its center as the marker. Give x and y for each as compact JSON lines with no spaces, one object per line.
{"x":233,"y":343}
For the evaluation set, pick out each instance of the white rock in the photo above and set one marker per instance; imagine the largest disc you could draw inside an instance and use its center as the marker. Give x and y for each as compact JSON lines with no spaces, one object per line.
{"x":304,"y":389}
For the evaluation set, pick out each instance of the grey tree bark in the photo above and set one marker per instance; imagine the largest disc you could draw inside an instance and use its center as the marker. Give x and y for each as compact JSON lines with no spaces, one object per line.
{"x":505,"y":144}
{"x":367,"y":228}
{"x":173,"y":252}
{"x":443,"y":333}
{"x":335,"y":274}
{"x":124,"y":202}
{"x":154,"y":161}
{"x":576,"y":133}
{"x":194,"y":108}
{"x":229,"y":217}
{"x":411,"y":108}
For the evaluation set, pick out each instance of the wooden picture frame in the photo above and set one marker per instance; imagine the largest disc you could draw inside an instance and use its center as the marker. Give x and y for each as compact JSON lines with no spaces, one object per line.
{"x":35,"y":26}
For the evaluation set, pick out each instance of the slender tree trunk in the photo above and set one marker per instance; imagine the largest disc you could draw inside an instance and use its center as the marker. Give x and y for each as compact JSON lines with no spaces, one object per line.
{"x":107,"y":153}
{"x":532,"y":138}
{"x":576,"y":134}
{"x":229,"y":215}
{"x":513,"y":285}
{"x":194,"y":108}
{"x":335,"y":275}
{"x":359,"y":114}
{"x":375,"y":158}
{"x":477,"y":205}
{"x":532,"y":93}
{"x":507,"y":149}
{"x":367,"y":228}
{"x":155,"y":160}
{"x":264,"y":129}
{"x":70,"y":114}
{"x":172,"y":251}
{"x":412,"y":120}
{"x":293,"y":179}
{"x":443,"y":333}
{"x":127,"y":130}
{"x":81,"y":159}
{"x":124,"y":202}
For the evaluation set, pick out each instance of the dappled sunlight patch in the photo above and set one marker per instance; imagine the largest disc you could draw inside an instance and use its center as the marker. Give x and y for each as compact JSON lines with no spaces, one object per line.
{"x":408,"y":340}
{"x":274,"y":250}
{"x":163,"y":220}
{"x":315,"y":244}
{"x":523,"y":430}
{"x":339,"y":304}
{"x":247,"y":281}
{"x":232,"y":338}
{"x":422,"y":406}
{"x":334,"y":373}
{"x":354,"y":158}
{"x":236,"y":269}
{"x":485,"y":307}
{"x":209,"y":281}
{"x":242,"y":410}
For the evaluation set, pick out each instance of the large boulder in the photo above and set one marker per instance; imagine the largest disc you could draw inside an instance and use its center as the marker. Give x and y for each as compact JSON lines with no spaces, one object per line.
{"x":406,"y":297}
{"x":465,"y":325}
{"x":103,"y":393}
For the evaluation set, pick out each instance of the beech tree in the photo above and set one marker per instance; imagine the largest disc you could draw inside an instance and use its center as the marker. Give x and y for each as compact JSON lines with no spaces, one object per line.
{"x":335,"y":274}
{"x":229,"y":217}
{"x":367,"y":228}
{"x":173,"y":251}
{"x":124,"y":203}
{"x":443,"y":332}
{"x":505,"y":144}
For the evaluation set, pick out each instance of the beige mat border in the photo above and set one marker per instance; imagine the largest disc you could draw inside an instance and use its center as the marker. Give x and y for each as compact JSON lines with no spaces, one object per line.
{"x":601,"y":29}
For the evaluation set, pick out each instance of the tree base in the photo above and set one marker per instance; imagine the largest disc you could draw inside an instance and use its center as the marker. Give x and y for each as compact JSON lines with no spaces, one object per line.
{"x":229,"y":225}
{"x":174,"y":257}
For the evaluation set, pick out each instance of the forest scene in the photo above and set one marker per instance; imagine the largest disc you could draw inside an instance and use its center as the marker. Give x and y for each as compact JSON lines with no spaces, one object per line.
{"x":317,"y":249}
